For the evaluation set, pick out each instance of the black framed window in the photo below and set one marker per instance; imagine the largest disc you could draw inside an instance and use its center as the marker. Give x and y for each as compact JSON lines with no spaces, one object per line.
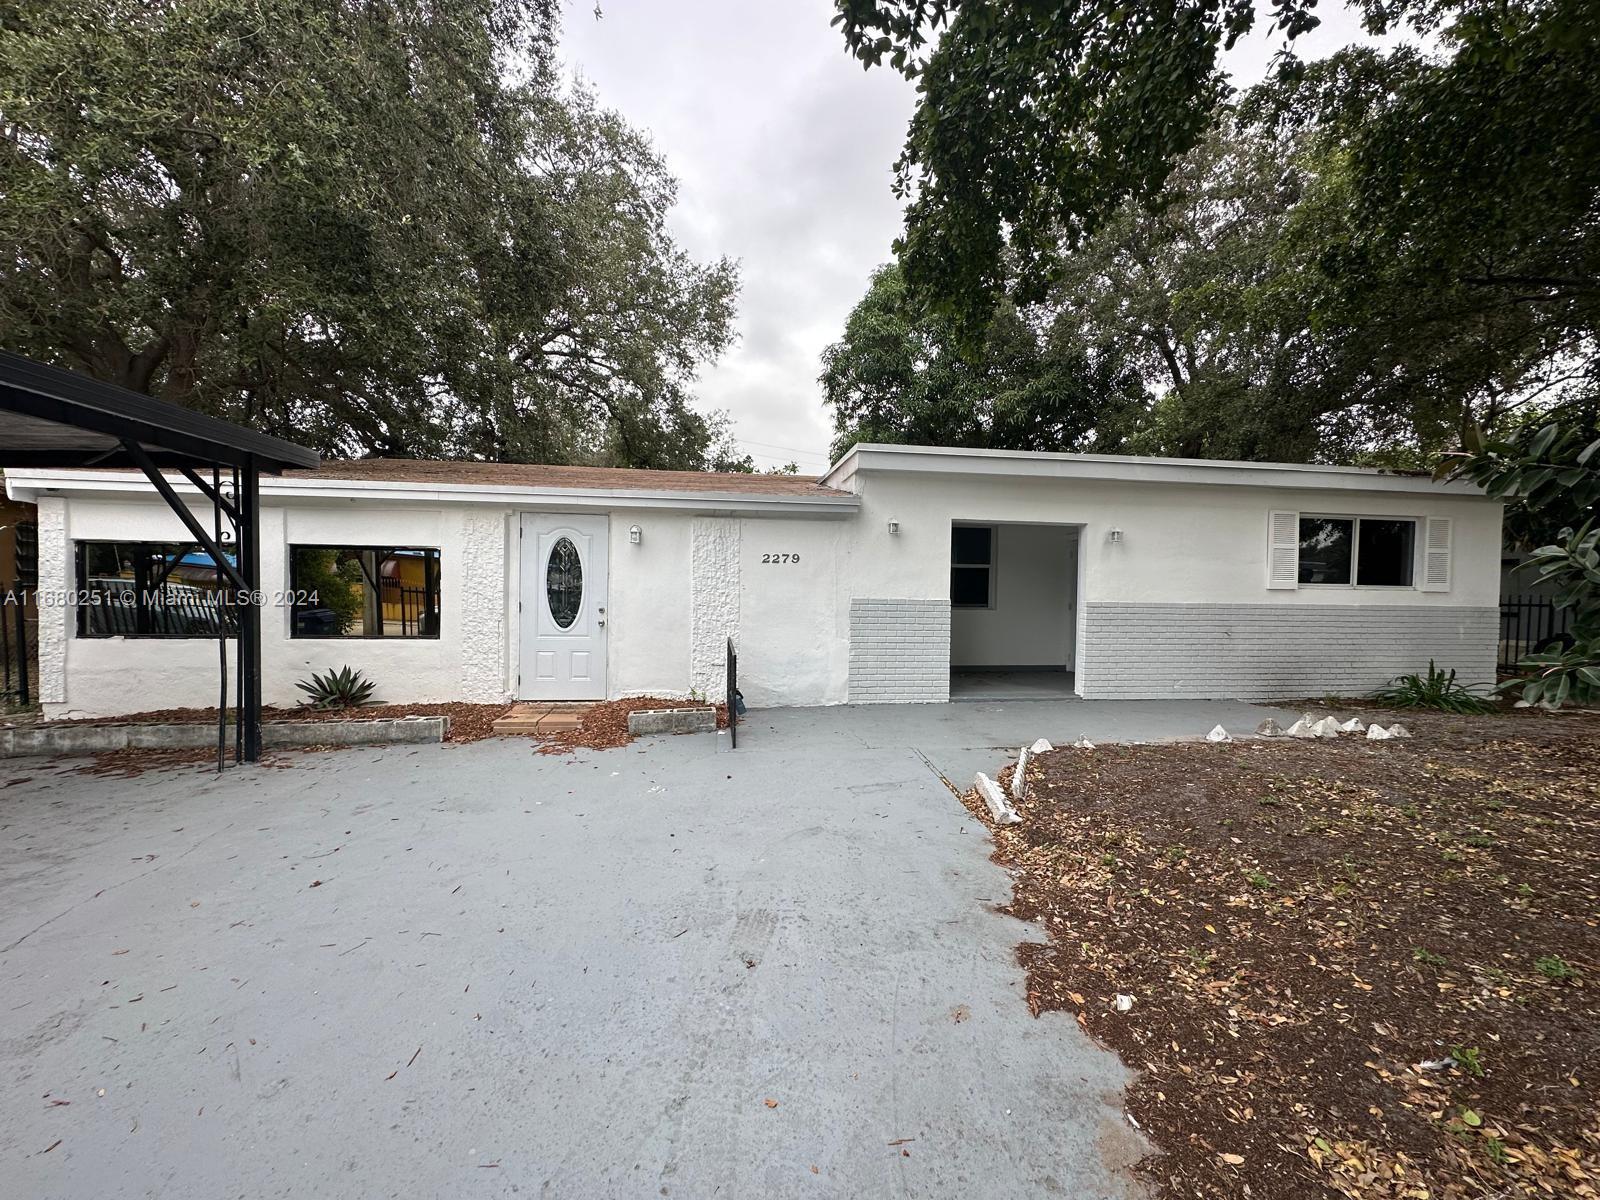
{"x":971,"y":566}
{"x":150,"y":590}
{"x":364,"y":591}
{"x":1365,"y":551}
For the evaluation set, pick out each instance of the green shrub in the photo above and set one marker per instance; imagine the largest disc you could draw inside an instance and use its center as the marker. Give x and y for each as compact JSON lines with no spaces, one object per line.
{"x":1553,"y":966}
{"x":1437,"y":689}
{"x":343,"y":688}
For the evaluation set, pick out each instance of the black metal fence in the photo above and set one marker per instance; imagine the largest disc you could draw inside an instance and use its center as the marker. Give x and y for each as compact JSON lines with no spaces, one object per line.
{"x":733,"y":696}
{"x":178,"y":611}
{"x":19,"y":667}
{"x":1529,"y":624}
{"x":413,"y":605}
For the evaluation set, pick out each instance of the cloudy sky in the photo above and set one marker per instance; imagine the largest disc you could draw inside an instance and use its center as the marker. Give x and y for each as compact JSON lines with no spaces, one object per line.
{"x":783,"y":148}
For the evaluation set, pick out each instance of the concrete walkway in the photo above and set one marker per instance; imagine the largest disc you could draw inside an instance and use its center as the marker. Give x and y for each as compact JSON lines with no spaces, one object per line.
{"x":666,"y":970}
{"x":960,"y":739}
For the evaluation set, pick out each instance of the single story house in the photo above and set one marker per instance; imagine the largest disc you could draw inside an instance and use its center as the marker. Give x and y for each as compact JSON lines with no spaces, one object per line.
{"x":892,"y":578}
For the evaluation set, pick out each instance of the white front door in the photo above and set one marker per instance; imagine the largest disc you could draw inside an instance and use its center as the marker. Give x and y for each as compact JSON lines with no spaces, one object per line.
{"x":563,"y":607}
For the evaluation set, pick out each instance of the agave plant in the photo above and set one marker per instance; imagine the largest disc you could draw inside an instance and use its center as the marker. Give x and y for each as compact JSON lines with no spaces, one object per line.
{"x":1437,"y":689}
{"x":344,"y":688}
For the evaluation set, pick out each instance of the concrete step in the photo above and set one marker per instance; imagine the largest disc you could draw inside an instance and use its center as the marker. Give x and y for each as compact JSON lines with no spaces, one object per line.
{"x":541,"y":717}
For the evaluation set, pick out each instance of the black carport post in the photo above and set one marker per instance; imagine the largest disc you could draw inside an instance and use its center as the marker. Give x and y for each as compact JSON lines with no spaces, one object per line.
{"x":250,"y":611}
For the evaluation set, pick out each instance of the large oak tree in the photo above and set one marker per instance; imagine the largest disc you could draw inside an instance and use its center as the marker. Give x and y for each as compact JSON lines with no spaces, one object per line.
{"x":374,"y":226}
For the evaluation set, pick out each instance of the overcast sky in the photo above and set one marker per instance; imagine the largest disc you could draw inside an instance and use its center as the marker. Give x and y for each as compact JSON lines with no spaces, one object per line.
{"x":783,"y":148}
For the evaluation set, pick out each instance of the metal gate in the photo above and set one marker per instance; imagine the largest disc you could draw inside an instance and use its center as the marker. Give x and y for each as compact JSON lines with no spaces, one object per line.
{"x":1527,"y":624}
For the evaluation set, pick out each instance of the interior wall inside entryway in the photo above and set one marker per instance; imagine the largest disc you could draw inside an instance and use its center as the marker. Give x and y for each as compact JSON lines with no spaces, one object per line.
{"x":1032,"y":618}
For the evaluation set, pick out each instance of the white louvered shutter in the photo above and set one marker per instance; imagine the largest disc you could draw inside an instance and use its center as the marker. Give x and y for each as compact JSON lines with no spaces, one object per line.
{"x":1436,"y":554}
{"x":1283,"y":550}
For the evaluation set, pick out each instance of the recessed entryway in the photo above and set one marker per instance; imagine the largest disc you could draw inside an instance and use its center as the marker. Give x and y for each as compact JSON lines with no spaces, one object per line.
{"x":976,"y":683}
{"x":1013,"y":610}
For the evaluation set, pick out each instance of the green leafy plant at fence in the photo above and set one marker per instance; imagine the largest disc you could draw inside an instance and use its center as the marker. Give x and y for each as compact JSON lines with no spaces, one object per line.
{"x":1437,"y":689}
{"x":1549,"y":475}
{"x":344,"y":688}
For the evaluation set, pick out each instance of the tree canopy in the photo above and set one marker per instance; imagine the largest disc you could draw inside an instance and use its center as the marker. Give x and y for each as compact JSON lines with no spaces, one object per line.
{"x":898,"y":376}
{"x":1199,"y":324}
{"x":1476,"y":168}
{"x":376,"y":227}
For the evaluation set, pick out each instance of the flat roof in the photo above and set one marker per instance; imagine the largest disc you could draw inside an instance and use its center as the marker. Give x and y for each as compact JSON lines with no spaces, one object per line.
{"x":1038,"y":464}
{"x":50,"y":417}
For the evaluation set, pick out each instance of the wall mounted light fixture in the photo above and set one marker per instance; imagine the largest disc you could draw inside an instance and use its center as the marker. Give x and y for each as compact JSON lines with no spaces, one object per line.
{"x":894,"y":525}
{"x":1115,"y":535}
{"x":635,"y":534}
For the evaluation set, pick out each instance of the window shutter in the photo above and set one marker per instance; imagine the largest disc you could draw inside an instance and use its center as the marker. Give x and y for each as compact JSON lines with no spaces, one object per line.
{"x":1283,"y":550}
{"x":1436,"y":555}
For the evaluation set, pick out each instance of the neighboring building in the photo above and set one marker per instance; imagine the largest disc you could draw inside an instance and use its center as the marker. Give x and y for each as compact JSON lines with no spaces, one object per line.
{"x":1109,"y":577}
{"x":19,"y":544}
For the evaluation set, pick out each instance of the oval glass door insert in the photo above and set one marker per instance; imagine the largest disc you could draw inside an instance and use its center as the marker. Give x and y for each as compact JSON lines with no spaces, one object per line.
{"x":563,"y":582}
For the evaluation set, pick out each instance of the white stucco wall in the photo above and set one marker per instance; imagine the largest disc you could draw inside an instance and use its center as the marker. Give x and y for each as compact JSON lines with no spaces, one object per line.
{"x":1032,"y":620}
{"x":674,"y":598}
{"x":650,"y":605}
{"x":1181,"y":544}
{"x":468,"y":660}
{"x":784,"y":586}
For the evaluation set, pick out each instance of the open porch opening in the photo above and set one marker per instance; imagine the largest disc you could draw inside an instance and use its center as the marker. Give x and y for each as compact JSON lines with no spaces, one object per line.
{"x":1013,"y":611}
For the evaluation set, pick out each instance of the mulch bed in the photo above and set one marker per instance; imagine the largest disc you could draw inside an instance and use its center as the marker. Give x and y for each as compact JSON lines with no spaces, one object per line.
{"x":605,"y":726}
{"x":1368,"y":969}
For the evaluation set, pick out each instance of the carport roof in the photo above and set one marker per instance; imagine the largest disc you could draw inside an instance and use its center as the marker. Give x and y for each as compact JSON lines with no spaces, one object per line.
{"x":50,"y":417}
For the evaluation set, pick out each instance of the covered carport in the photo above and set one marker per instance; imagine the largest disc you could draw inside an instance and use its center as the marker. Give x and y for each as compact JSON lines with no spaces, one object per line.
{"x":51,"y":417}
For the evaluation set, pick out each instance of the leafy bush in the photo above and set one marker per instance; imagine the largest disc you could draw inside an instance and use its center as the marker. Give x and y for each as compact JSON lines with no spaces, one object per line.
{"x":343,"y":688}
{"x":1548,"y":473}
{"x":1437,"y":689}
{"x":1567,"y":674}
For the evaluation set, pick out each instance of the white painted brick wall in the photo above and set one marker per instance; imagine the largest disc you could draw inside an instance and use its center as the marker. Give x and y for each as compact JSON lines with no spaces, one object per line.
{"x":1276,"y":651}
{"x":899,"y":651}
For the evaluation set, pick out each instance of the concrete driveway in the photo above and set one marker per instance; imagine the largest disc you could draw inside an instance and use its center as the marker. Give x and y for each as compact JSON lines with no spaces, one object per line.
{"x":666,"y":970}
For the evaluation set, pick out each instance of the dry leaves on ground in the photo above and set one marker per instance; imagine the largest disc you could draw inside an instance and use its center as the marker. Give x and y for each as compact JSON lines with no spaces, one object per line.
{"x":1359,"y":969}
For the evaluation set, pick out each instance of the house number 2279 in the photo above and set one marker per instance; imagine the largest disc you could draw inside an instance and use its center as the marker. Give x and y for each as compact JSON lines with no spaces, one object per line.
{"x":780,"y":558}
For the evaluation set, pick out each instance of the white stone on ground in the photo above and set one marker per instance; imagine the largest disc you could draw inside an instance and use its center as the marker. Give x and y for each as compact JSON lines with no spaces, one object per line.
{"x":1377,"y":733}
{"x":1041,"y":747}
{"x":1269,"y":728}
{"x":1327,"y":727}
{"x":1354,"y":725}
{"x":1305,"y":727}
{"x":1019,"y":777}
{"x":1219,"y":734}
{"x":999,"y":807}
{"x":1399,"y":731}
{"x":1083,"y":743}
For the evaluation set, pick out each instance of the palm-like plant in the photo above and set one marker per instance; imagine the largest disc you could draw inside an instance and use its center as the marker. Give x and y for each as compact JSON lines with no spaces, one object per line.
{"x":344,"y":688}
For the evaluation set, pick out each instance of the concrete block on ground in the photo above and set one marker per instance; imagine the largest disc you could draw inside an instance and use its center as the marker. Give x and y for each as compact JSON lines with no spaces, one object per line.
{"x":382,"y":731}
{"x":999,"y":807}
{"x":1019,"y":777}
{"x":21,"y":740}
{"x":699,"y":719}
